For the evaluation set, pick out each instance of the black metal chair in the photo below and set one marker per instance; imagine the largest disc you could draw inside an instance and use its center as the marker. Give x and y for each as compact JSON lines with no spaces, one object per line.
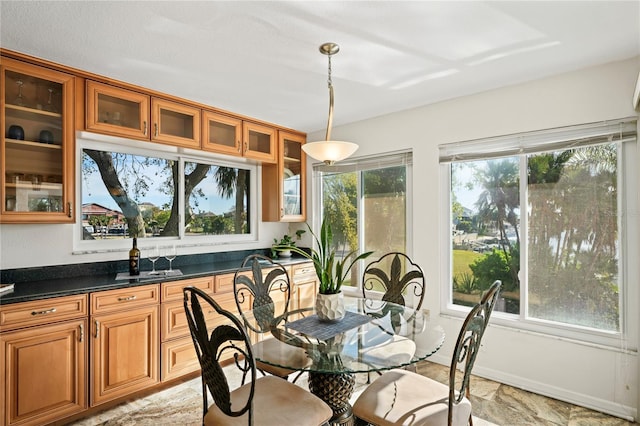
{"x":400,"y":395}
{"x":393,"y":274}
{"x":267,"y":286}
{"x":273,"y":400}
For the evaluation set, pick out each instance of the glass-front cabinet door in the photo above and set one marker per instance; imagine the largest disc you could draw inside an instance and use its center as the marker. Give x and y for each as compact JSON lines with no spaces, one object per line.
{"x":175,"y":124}
{"x":221,"y":133}
{"x":121,"y":112}
{"x":259,"y":142}
{"x":37,"y":144}
{"x":117,"y":111}
{"x":293,"y":173}
{"x":284,"y":183}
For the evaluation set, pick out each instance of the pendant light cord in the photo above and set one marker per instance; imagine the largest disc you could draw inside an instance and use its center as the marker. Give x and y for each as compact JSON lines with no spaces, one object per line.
{"x":330,"y":120}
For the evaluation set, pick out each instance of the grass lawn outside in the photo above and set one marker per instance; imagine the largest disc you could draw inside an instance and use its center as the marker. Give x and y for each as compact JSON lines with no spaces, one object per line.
{"x":461,"y":261}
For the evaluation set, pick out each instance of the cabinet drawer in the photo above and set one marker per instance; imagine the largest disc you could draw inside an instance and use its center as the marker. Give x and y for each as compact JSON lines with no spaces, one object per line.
{"x":224,"y":282}
{"x":178,"y":358}
{"x":174,"y":320}
{"x":173,"y":290}
{"x":302,"y":271}
{"x":124,"y":298}
{"x":42,"y":311}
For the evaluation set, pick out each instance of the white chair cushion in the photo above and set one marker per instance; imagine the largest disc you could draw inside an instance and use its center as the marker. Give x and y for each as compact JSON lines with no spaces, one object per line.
{"x":401,"y":397}
{"x":275,"y":402}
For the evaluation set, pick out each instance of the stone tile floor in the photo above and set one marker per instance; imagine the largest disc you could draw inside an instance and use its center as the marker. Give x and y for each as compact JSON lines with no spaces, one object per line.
{"x":493,"y":404}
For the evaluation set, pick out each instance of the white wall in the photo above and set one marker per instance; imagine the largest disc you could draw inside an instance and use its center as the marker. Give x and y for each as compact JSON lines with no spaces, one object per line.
{"x":23,"y":246}
{"x":598,"y":377}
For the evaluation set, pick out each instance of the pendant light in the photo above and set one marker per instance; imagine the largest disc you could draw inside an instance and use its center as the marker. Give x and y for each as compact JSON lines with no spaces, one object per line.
{"x":329,"y":151}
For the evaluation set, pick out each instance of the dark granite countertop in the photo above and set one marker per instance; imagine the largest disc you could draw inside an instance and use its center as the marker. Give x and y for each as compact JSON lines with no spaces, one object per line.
{"x":66,"y":280}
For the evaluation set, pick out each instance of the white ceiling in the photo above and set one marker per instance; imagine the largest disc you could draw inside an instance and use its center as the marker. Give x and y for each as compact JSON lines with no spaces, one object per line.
{"x":261,"y":59}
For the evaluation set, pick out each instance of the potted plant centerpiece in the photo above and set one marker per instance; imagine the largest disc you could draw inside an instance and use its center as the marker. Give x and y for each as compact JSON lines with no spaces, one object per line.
{"x":331,"y":272}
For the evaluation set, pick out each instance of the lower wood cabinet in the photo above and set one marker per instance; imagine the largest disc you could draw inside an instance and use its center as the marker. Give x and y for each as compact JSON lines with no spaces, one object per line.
{"x":124,"y":342}
{"x":61,"y":356}
{"x":305,"y":285}
{"x":177,"y":353}
{"x":43,"y":367}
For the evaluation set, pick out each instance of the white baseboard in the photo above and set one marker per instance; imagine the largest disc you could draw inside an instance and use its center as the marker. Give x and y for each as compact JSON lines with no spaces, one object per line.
{"x":575,"y":398}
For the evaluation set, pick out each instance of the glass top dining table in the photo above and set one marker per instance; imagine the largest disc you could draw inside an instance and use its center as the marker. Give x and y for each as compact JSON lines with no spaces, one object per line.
{"x":373,"y":336}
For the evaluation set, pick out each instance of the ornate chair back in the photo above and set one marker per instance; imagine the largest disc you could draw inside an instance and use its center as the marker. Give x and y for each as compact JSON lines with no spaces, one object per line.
{"x":262,"y":289}
{"x":468,"y":345}
{"x":393,"y":274}
{"x":212,"y":345}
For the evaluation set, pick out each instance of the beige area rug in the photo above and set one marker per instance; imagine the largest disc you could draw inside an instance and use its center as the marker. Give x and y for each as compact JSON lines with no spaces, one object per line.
{"x":182,"y":405}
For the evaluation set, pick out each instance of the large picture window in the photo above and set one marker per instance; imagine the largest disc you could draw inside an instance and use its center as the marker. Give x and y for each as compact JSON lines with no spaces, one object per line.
{"x":548,"y":222}
{"x":367,"y":203}
{"x":130,"y":192}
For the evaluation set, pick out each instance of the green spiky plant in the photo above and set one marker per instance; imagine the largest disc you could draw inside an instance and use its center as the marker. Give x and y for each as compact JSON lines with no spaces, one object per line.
{"x":331,"y":272}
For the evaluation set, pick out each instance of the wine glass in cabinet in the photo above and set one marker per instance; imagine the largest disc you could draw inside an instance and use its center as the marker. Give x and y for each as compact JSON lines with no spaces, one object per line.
{"x":37,"y":129}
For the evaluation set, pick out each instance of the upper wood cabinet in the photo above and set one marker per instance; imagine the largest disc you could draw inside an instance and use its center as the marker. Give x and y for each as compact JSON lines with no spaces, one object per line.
{"x":37,"y":145}
{"x":231,"y":135}
{"x":126,"y":113}
{"x":284,"y":183}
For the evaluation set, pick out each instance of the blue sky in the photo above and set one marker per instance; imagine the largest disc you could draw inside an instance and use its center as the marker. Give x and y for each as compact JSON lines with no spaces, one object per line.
{"x":94,"y":191}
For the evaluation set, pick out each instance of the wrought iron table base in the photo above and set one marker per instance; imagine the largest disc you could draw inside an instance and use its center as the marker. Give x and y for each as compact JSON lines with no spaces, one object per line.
{"x":335,"y":389}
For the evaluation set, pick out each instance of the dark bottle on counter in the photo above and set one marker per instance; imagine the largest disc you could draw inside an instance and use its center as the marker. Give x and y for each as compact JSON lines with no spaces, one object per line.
{"x":134,"y":258}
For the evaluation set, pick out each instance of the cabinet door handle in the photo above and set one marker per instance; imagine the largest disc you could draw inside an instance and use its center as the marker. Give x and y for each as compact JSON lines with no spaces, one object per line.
{"x":97,"y":329}
{"x":246,"y":146}
{"x":70,"y":205}
{"x":145,"y":127}
{"x":239,"y":145}
{"x":81,"y":332}
{"x":45,"y":312}
{"x":126,"y":299}
{"x":155,"y":129}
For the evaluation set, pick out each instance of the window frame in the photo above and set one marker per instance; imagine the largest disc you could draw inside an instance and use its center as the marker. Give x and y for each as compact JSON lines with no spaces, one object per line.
{"x":182,"y":155}
{"x":359,"y":165}
{"x":626,"y":339}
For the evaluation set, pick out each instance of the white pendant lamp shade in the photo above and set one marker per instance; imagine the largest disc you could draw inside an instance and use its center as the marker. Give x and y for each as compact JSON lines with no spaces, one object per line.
{"x":328,"y":150}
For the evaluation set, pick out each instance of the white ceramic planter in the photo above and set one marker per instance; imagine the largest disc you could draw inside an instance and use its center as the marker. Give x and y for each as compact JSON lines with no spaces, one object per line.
{"x":284,"y":253}
{"x":330,"y":307}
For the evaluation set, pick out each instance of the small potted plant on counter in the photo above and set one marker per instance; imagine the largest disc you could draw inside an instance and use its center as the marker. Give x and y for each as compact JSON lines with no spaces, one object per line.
{"x":283,"y":246}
